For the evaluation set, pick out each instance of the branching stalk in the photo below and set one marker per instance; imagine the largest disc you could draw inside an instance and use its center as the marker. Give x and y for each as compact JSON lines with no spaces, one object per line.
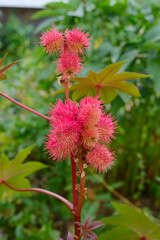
{"x":62,"y":199}
{"x":74,"y":183}
{"x":74,"y":178}
{"x":75,"y":193}
{"x":25,"y":107}
{"x":82,"y":188}
{"x":81,"y":194}
{"x":66,"y":91}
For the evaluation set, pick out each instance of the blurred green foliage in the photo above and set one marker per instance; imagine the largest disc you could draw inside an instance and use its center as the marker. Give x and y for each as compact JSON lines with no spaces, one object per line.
{"x":132,"y":224}
{"x":120,"y":30}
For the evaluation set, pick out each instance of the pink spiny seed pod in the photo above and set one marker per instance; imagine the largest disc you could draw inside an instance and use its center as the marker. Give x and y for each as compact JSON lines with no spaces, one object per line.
{"x":63,"y":139}
{"x":77,"y":40}
{"x":52,"y":40}
{"x":106,"y":126}
{"x":94,"y":101}
{"x":62,"y":111}
{"x":69,"y":64}
{"x":90,"y":137}
{"x":90,"y":111}
{"x":100,"y":157}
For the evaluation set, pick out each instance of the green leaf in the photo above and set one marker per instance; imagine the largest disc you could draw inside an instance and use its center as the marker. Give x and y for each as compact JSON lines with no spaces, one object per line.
{"x":118,"y":234}
{"x":107,"y":83}
{"x":47,"y":23}
{"x":78,"y":93}
{"x":128,"y":88}
{"x":23,"y":154}
{"x":62,"y":90}
{"x":115,"y":52}
{"x":150,"y":45}
{"x":153,"y":34}
{"x":60,"y":5}
{"x":137,"y":223}
{"x":107,"y":95}
{"x":23,"y":169}
{"x":103,"y":50}
{"x":117,"y":185}
{"x":130,"y":56}
{"x":2,"y":190}
{"x":153,"y":66}
{"x":107,"y":72}
{"x":45,"y":13}
{"x":18,"y":182}
{"x":4,"y":164}
{"x":14,"y":172}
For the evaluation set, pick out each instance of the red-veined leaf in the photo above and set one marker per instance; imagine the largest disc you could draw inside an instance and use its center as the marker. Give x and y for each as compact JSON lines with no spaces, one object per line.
{"x":106,"y":83}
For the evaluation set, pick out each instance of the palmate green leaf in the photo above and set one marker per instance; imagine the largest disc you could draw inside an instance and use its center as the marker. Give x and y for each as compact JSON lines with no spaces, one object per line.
{"x":135,"y":221}
{"x":107,"y":96}
{"x":107,"y":83}
{"x":23,"y":154}
{"x":14,"y":172}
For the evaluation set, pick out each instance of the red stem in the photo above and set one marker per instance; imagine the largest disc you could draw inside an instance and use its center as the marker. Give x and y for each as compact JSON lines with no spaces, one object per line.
{"x":23,"y":106}
{"x":81,"y":194}
{"x":75,"y":194}
{"x":98,"y":88}
{"x":62,"y":199}
{"x":66,"y":92}
{"x":77,"y":231}
{"x":74,"y":182}
{"x":74,"y":178}
{"x":82,"y":189}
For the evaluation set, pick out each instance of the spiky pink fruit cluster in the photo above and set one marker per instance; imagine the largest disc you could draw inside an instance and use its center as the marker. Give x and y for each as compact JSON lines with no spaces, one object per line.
{"x":52,"y":40}
{"x":85,"y":125}
{"x":77,"y":40}
{"x":69,"y":46}
{"x":63,"y":137}
{"x":69,"y":64}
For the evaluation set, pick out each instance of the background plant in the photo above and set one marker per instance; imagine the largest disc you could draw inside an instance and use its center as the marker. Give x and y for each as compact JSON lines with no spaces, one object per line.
{"x":81,"y":132}
{"x":130,"y":28}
